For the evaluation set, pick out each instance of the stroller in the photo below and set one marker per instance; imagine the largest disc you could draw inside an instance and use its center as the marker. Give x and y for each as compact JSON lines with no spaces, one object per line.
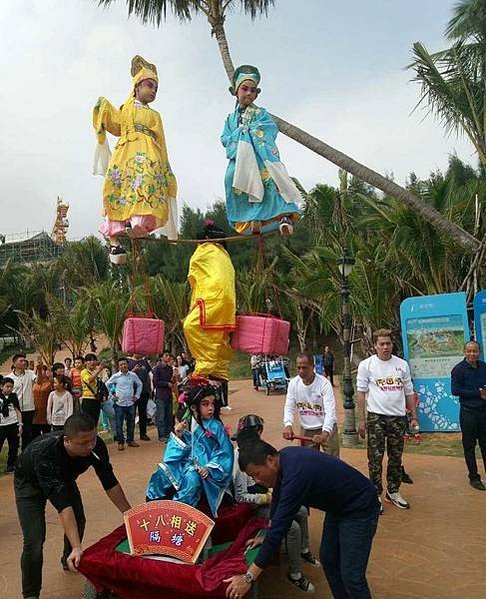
{"x":274,"y":374}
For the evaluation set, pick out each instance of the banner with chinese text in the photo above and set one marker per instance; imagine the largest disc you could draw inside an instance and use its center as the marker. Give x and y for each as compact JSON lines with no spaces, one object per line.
{"x":167,"y":528}
{"x":434,"y":330}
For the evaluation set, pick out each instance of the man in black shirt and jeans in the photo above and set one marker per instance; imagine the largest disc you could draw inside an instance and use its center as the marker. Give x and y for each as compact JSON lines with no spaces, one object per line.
{"x":468,"y":382}
{"x":47,"y":470}
{"x":302,"y":476}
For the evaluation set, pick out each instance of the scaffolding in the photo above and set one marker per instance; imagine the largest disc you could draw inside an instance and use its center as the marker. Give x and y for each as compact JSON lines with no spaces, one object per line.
{"x":33,"y":248}
{"x":37,"y":246}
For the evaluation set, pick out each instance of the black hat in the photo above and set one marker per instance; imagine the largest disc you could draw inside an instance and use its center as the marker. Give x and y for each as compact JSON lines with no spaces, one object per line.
{"x":250,"y":421}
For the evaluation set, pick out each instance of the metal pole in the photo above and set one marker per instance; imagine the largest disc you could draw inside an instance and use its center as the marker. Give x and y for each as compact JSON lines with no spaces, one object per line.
{"x":350,"y":434}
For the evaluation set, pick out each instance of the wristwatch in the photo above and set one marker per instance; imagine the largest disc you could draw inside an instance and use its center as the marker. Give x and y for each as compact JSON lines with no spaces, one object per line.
{"x":248,"y":577}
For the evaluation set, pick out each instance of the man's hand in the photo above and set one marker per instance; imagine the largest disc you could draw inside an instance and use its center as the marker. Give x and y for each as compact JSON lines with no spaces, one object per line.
{"x":74,"y":558}
{"x":288,"y":433}
{"x":482,"y":393}
{"x":362,"y":429}
{"x":415,"y":424}
{"x":252,"y":543}
{"x":321,"y":439}
{"x":237,"y":587}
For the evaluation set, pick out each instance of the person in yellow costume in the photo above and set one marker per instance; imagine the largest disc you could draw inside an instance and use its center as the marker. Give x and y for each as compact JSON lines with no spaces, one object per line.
{"x":212,"y":315}
{"x":139,"y":192}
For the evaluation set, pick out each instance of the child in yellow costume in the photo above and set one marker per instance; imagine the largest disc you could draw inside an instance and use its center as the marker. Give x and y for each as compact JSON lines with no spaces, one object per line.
{"x":140,"y":189}
{"x":212,"y":315}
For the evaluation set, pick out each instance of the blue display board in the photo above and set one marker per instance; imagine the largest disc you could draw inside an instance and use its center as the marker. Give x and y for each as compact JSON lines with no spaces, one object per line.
{"x":480,"y":320}
{"x":434,"y":330}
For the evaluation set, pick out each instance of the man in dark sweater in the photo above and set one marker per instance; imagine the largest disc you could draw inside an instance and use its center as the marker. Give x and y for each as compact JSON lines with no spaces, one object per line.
{"x":468,"y":382}
{"x":47,"y":471}
{"x":141,"y":367}
{"x":163,"y":379}
{"x":301,"y":476}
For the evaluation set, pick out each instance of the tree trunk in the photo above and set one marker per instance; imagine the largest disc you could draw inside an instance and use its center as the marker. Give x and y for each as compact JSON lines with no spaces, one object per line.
{"x":459,"y":235}
{"x":462,"y":237}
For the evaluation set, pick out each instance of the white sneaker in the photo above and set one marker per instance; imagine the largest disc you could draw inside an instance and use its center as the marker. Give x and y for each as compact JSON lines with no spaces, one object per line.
{"x":229,"y":408}
{"x":397,"y":500}
{"x":285,"y":227}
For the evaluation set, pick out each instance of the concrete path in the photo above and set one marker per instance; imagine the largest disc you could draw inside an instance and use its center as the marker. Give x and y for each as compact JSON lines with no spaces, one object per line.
{"x":437,"y":549}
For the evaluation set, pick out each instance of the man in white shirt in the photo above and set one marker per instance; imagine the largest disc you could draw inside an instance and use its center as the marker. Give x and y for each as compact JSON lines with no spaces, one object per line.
{"x":23,"y":379}
{"x":311,"y":396}
{"x":384,"y":385}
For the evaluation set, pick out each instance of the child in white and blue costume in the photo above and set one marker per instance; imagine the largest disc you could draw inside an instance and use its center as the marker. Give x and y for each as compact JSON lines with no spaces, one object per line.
{"x":199,"y":455}
{"x":260,"y":195}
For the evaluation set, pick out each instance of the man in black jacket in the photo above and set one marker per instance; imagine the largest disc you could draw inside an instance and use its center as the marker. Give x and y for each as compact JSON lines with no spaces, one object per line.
{"x":47,"y":471}
{"x":301,"y":476}
{"x":163,"y":380}
{"x":468,"y":382}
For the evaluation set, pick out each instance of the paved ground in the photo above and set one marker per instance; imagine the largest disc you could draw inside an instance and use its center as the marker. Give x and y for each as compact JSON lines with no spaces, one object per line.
{"x":435,"y":550}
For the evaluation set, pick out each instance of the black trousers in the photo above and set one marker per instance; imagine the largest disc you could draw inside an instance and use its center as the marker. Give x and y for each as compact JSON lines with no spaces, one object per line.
{"x":224,"y":393}
{"x":473,"y":427}
{"x":31,"y":506}
{"x":10,"y":432}
{"x":27,"y":432}
{"x":91,"y":407}
{"x":329,"y":371}
{"x":142,"y":412}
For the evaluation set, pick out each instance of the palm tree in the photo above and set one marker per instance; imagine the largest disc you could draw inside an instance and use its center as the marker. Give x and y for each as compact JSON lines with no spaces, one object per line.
{"x":453,"y":81}
{"x":109,"y":303}
{"x":75,"y":324}
{"x":42,"y":334}
{"x":170,"y":303}
{"x":155,"y":11}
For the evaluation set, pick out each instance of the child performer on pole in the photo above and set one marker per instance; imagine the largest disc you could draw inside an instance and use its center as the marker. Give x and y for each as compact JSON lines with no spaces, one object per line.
{"x":260,"y":195}
{"x":140,"y":189}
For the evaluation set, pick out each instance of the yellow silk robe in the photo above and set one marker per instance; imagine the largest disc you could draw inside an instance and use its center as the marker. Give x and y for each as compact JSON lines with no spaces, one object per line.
{"x":139,"y":180}
{"x":212,"y":315}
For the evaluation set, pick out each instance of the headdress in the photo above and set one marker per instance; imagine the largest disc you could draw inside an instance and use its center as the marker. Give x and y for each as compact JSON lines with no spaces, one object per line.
{"x":245,"y":72}
{"x":141,"y":69}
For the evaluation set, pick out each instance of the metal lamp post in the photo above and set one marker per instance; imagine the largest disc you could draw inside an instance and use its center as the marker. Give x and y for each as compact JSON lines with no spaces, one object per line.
{"x":350,"y":434}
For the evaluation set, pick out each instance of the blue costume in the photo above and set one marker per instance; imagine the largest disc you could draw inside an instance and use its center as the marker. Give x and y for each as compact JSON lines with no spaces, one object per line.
{"x":257,"y":185}
{"x":209,"y":447}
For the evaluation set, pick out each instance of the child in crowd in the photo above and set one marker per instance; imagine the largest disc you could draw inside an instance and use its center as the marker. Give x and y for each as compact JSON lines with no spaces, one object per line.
{"x":198,"y":457}
{"x":10,"y":421}
{"x":249,"y":430}
{"x":60,"y":404}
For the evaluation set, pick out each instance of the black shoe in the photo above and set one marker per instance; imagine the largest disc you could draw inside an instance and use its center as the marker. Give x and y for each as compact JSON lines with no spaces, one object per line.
{"x":310,"y":559}
{"x":477,"y":484}
{"x":302,"y":583}
{"x":144,"y":438}
{"x":406,"y":478}
{"x":9,"y":469}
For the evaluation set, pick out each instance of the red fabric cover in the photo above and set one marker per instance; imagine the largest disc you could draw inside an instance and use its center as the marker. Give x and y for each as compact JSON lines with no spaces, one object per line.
{"x":133,"y":577}
{"x":143,"y":335}
{"x":261,"y":335}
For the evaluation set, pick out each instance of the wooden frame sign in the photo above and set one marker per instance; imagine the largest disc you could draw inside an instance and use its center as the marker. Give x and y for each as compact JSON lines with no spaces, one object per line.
{"x":167,"y":528}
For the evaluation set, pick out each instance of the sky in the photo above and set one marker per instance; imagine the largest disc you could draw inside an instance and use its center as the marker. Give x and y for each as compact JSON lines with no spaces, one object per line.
{"x":335,"y":69}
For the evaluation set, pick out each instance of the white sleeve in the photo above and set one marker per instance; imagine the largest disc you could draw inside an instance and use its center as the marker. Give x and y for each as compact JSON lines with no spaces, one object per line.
{"x":407,"y":381}
{"x":329,"y":406}
{"x":362,"y":378}
{"x":289,"y":408}
{"x":102,"y":158}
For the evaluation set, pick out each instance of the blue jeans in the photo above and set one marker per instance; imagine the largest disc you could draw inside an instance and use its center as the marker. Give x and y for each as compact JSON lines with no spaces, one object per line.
{"x":345,"y":550}
{"x":108,"y":417}
{"x":124,"y":413}
{"x":163,"y":417}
